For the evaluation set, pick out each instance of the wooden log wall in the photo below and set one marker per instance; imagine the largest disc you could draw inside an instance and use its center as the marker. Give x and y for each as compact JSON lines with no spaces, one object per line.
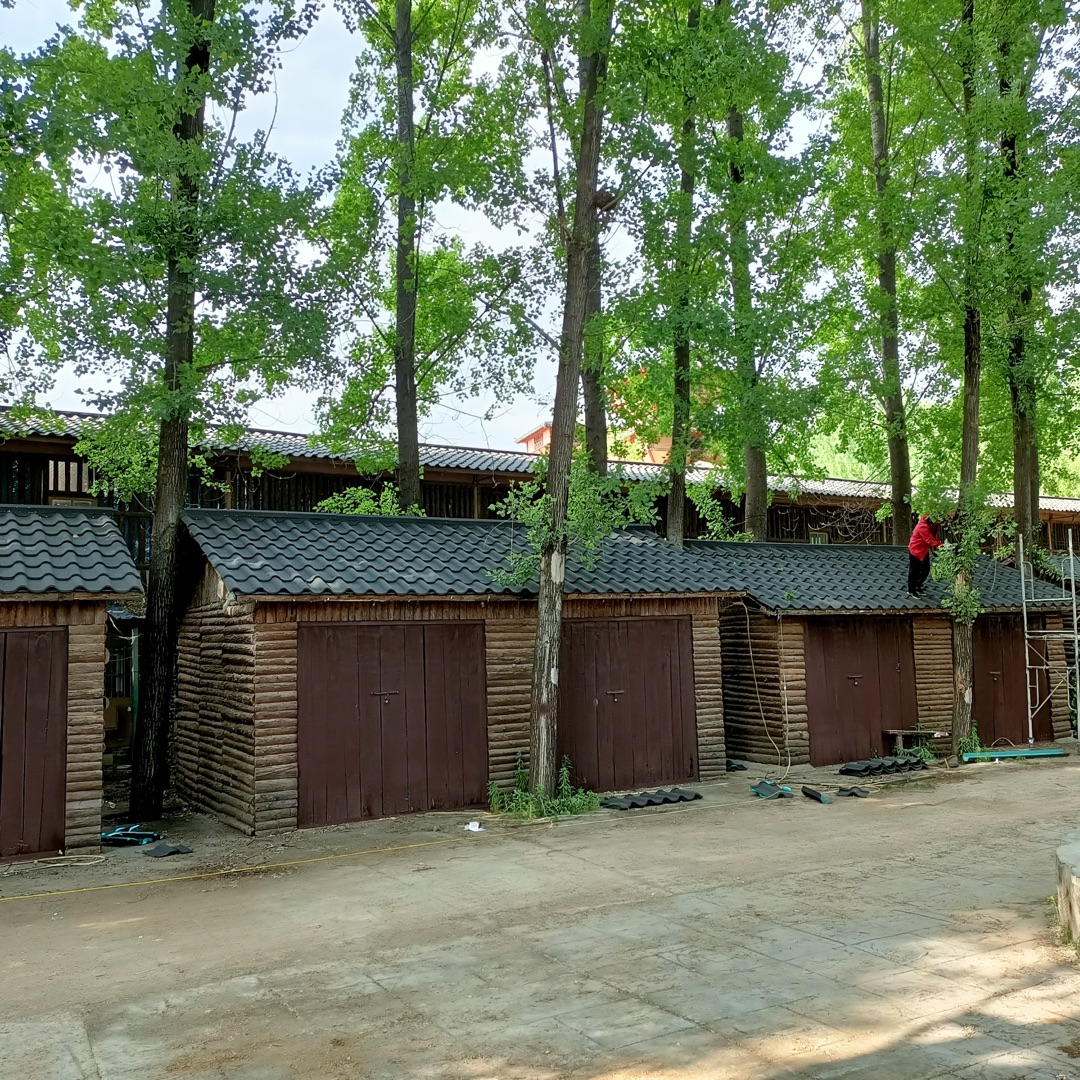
{"x":275,"y":749}
{"x":214,"y":763}
{"x":1059,"y":673}
{"x":792,"y":644}
{"x":85,"y":620}
{"x":709,"y":693}
{"x":764,"y":687}
{"x":509,"y":649}
{"x":510,"y":634}
{"x":932,"y":641}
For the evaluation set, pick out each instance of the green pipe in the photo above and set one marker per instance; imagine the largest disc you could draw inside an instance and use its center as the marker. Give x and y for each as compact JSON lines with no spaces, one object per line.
{"x":994,"y":755}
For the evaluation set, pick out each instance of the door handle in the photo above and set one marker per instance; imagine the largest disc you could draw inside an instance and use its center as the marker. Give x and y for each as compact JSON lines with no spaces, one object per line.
{"x":384,"y":694}
{"x":614,"y":694}
{"x":855,"y":679}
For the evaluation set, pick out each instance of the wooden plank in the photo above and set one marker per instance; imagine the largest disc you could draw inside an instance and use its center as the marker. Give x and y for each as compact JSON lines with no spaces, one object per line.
{"x":13,"y":752}
{"x":399,"y":710}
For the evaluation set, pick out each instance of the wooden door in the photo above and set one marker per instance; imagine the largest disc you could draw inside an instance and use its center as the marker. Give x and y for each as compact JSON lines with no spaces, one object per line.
{"x":33,"y":740}
{"x":392,"y":719}
{"x":1000,"y":704}
{"x":860,"y":680}
{"x":627,"y":715}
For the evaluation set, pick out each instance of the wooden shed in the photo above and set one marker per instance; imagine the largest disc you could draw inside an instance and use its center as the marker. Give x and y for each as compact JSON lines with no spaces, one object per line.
{"x":826,"y":652}
{"x":334,"y":668}
{"x":58,"y":569}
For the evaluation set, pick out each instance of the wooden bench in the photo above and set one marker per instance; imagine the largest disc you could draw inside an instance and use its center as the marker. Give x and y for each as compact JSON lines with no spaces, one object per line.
{"x":899,"y":733}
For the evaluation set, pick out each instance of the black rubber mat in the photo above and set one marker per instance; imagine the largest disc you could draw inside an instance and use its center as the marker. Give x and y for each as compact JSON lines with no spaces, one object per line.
{"x":650,"y":798}
{"x":881,"y":766}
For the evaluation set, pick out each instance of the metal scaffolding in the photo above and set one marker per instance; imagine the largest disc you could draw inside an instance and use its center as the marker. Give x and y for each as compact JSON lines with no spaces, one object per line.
{"x":1048,"y":670}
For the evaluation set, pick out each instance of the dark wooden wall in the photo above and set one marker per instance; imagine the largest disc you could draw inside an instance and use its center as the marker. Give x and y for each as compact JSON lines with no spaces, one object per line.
{"x":236,"y":719}
{"x":85,"y":621}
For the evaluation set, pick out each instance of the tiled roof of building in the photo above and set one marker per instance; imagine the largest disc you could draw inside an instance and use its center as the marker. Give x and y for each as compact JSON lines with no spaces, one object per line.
{"x":260,"y":553}
{"x":850,"y":577}
{"x":502,"y":462}
{"x":47,"y":549}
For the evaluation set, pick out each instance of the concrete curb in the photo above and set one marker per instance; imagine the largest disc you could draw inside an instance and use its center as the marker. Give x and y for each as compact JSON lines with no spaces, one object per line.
{"x":1068,"y":867}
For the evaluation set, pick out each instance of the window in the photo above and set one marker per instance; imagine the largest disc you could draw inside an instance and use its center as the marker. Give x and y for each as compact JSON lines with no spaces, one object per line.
{"x":54,"y":501}
{"x":818,"y":537}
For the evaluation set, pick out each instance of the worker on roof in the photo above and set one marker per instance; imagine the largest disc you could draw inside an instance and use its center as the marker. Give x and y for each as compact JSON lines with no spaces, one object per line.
{"x":923,"y":539}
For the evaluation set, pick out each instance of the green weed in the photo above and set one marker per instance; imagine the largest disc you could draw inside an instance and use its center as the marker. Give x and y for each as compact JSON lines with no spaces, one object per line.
{"x":520,"y":802}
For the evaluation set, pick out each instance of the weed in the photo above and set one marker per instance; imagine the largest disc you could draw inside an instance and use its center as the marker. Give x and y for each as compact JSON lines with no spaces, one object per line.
{"x":520,"y":802}
{"x":970,"y":744}
{"x":923,"y":753}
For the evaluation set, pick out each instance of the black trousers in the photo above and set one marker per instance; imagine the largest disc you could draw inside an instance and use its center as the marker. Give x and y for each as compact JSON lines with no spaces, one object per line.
{"x":918,"y":572}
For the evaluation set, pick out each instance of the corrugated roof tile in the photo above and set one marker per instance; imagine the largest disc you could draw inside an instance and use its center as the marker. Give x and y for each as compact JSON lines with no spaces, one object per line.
{"x":45,"y":549}
{"x":293,"y":554}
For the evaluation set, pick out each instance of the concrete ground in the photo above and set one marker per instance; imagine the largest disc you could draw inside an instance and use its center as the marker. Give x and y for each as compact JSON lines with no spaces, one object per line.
{"x":901,"y":937}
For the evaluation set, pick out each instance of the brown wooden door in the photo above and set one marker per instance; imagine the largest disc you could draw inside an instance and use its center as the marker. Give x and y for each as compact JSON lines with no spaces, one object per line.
{"x":1000,"y":705}
{"x":626,"y":702}
{"x":392,"y":718}
{"x":860,"y":680}
{"x":33,"y":740}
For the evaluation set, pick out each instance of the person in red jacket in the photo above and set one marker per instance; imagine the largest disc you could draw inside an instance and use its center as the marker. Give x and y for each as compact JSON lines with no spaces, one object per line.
{"x":922,"y":540}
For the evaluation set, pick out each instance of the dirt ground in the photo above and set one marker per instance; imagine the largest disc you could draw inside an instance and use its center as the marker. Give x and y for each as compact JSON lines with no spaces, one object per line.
{"x":901,"y":937}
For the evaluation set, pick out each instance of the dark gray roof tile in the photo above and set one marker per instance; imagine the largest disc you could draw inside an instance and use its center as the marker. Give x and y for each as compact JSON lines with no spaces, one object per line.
{"x":292,"y":554}
{"x":849,"y":577}
{"x":45,"y":549}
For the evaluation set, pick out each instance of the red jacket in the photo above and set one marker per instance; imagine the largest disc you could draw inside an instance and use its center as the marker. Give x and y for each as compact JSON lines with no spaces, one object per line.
{"x":923,"y":539}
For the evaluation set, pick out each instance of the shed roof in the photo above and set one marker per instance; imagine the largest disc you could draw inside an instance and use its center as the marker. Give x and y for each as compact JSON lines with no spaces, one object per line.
{"x":54,"y":549}
{"x":850,"y":577}
{"x":296,"y":554}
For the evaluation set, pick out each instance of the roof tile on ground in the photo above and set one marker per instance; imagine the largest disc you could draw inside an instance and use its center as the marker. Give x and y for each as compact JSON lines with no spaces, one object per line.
{"x":46,"y":549}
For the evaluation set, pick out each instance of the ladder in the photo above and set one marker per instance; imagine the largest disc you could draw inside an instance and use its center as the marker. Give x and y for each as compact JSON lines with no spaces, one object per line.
{"x":1049,"y":669}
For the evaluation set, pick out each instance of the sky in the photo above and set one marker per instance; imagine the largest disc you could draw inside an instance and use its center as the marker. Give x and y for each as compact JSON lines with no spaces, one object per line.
{"x":312,"y":91}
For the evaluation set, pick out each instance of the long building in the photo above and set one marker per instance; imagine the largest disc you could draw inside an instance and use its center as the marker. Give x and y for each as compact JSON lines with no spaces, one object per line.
{"x":39,"y":466}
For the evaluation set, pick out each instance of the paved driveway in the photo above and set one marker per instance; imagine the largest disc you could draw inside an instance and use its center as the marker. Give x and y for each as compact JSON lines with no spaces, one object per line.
{"x":897,"y":938}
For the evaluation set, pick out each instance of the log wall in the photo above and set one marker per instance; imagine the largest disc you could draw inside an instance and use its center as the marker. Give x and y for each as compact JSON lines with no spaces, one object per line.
{"x":510,"y":634}
{"x":1058,"y":659}
{"x":85,"y":620}
{"x":932,"y":640}
{"x":236,"y":748}
{"x":709,"y":694}
{"x":764,"y":688}
{"x":214,"y":744}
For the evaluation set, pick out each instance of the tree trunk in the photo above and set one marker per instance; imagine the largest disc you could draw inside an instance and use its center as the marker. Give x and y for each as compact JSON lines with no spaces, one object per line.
{"x":408,"y":436}
{"x":757,"y":480}
{"x":675,"y":525}
{"x":756,"y":498}
{"x":1025,"y":445}
{"x":543,"y":719}
{"x":1023,"y":391}
{"x":157,"y":674}
{"x":892,"y":392}
{"x":592,"y":365}
{"x":963,"y":625}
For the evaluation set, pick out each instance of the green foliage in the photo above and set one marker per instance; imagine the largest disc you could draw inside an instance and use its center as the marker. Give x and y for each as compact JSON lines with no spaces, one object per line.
{"x":361,"y":500}
{"x":598,"y":505}
{"x":474,"y":325}
{"x":126,"y":200}
{"x":520,"y":802}
{"x":717,"y":525}
{"x":922,"y":752}
{"x":970,"y":744}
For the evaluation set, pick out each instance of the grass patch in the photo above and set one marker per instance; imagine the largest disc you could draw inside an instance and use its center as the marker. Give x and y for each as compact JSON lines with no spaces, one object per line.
{"x":520,"y":802}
